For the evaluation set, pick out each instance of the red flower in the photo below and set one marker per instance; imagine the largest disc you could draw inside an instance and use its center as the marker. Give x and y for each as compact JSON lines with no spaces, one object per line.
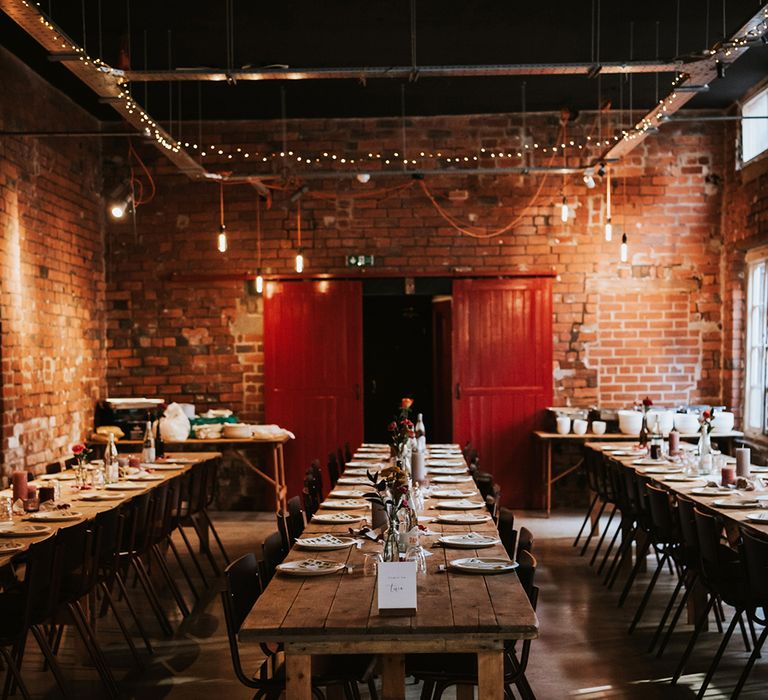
{"x":406,"y":403}
{"x":78,"y":449}
{"x":406,"y":423}
{"x":706,"y":415}
{"x":392,"y":426}
{"x":411,"y":434}
{"x":647,"y":402}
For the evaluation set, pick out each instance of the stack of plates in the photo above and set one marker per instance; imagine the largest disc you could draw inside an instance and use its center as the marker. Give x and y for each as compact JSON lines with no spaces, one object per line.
{"x":237,"y":430}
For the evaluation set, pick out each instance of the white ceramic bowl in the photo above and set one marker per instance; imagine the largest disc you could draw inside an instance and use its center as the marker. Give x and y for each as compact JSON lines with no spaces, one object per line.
{"x":723,"y":422}
{"x":630,"y":422}
{"x":598,"y":427}
{"x":580,"y":426}
{"x":237,"y":430}
{"x":687,"y":423}
{"x":563,"y":425}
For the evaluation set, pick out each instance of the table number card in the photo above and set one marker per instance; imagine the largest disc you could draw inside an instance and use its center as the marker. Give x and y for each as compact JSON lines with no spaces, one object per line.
{"x":397,"y":588}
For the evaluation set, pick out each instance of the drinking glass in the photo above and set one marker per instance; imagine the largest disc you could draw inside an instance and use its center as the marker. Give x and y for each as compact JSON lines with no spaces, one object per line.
{"x":6,"y":509}
{"x":371,"y":563}
{"x":416,"y":553}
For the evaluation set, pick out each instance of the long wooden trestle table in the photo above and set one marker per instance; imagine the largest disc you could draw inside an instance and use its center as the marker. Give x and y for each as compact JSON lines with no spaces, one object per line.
{"x":337,"y":614}
{"x":89,"y":509}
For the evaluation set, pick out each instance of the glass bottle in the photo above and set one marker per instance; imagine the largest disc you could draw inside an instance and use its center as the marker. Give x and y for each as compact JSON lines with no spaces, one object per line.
{"x":643,"y":437}
{"x":148,"y":449}
{"x":159,"y":443}
{"x":111,"y":469}
{"x":705,"y":452}
{"x":421,"y":436}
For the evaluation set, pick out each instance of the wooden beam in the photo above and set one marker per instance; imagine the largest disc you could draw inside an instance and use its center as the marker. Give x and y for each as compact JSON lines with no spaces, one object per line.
{"x":694,"y":77}
{"x":108,"y":84}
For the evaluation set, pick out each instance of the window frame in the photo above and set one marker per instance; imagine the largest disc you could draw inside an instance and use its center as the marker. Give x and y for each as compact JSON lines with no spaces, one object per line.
{"x":761,"y":92}
{"x":756,"y":345}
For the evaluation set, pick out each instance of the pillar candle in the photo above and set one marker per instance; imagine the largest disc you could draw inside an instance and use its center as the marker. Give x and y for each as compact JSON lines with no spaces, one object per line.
{"x":19,"y":481}
{"x":743,"y":460}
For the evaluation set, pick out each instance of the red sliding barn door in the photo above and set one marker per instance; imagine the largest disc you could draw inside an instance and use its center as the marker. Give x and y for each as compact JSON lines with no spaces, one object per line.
{"x":313,"y":368}
{"x":502,"y":371}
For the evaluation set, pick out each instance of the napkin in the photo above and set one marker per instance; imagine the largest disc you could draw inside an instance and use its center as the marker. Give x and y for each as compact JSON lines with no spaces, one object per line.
{"x":744,"y":484}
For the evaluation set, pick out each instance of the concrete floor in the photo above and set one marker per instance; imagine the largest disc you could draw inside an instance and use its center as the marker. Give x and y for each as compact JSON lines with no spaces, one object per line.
{"x":584,"y":650}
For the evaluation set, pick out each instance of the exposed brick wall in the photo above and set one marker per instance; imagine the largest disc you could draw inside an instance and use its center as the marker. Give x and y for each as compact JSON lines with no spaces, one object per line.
{"x":52,"y":281}
{"x":200,"y":341}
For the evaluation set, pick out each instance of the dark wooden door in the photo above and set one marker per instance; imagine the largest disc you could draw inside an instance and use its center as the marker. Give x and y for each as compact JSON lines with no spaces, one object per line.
{"x":313,"y":368}
{"x":502,"y":372}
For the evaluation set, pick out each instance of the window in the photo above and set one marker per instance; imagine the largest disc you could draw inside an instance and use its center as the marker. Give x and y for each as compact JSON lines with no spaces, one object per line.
{"x":754,"y":131}
{"x":757,"y":336}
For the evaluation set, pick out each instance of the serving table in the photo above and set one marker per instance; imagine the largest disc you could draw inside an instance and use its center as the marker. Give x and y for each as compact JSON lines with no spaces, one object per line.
{"x":546,"y":440}
{"x":90,"y":509}
{"x":238,"y":448}
{"x":337,"y":614}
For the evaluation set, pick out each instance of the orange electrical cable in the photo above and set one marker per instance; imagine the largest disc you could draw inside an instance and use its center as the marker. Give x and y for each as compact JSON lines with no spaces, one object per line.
{"x":221,"y":203}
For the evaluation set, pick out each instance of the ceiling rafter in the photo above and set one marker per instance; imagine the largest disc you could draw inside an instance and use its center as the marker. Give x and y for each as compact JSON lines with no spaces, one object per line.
{"x":102,"y":80}
{"x":694,"y":78}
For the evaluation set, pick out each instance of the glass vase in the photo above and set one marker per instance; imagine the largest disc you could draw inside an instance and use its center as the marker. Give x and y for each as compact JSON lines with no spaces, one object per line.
{"x":391,"y":542}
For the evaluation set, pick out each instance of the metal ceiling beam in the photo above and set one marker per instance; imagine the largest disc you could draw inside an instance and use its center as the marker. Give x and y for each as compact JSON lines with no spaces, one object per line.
{"x":694,"y":78}
{"x":400,"y":72}
{"x":106,"y":84}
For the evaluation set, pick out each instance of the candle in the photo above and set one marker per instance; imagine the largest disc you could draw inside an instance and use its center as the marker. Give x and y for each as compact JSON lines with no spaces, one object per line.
{"x":674,"y":442}
{"x":19,"y":481}
{"x":728,"y":474}
{"x":743,"y":460}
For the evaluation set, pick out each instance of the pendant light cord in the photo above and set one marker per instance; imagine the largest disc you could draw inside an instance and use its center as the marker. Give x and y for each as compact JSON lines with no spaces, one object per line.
{"x":221,"y":204}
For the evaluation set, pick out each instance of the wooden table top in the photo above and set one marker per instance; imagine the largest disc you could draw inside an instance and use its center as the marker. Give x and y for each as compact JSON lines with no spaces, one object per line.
{"x":90,"y":509}
{"x":343,"y":606}
{"x":621,"y":437}
{"x":736,"y":516}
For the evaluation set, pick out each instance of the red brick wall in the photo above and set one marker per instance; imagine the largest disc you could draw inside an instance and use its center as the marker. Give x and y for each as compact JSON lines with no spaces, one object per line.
{"x":51,"y":273}
{"x":200,"y":341}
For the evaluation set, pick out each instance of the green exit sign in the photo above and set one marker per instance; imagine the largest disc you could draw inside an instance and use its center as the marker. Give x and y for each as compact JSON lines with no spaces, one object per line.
{"x":359,"y":260}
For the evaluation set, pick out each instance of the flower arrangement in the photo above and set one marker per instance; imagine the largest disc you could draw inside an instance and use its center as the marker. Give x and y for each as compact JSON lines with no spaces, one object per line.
{"x":401,"y":429}
{"x":706,"y":422}
{"x":391,"y":490}
{"x":81,"y":452}
{"x":644,"y":405}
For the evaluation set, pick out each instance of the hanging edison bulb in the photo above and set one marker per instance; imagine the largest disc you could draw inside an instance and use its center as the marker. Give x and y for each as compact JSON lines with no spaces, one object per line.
{"x":299,"y":262}
{"x":608,"y":230}
{"x":564,"y":210}
{"x":222,"y":239}
{"x":259,"y":284}
{"x":624,"y":252}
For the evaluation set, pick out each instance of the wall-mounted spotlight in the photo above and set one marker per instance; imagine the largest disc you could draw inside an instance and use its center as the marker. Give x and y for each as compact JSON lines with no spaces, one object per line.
{"x":120,"y":201}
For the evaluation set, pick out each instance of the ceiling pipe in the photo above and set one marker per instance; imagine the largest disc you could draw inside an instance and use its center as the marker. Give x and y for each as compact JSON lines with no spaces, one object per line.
{"x":399,"y":72}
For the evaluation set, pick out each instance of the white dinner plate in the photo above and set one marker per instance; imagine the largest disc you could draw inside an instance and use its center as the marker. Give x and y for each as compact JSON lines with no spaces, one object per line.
{"x":444,"y":446}
{"x":7,"y":548}
{"x":167,"y":467}
{"x":648,"y":462}
{"x":359,"y":472}
{"x":483,"y":565}
{"x":56,"y":516}
{"x":661,"y":470}
{"x":758,"y":517}
{"x":758,"y":470}
{"x":445,"y":463}
{"x":682,"y":477}
{"x":346,"y":494}
{"x":447,"y":470}
{"x":353,"y":480}
{"x":362,"y":466}
{"x":628,"y":453}
{"x":125,"y":486}
{"x":59,"y":476}
{"x":462,"y":504}
{"x":101,"y":496}
{"x":735,"y":503}
{"x":310,"y":567}
{"x":174,"y":460}
{"x":24,"y":530}
{"x":469,"y":540}
{"x":450,"y":493}
{"x":711,"y":491}
{"x":463,"y":518}
{"x":147,"y":477}
{"x":325,"y":542}
{"x":336,"y":518}
{"x":346,"y":504}
{"x":451,"y":479}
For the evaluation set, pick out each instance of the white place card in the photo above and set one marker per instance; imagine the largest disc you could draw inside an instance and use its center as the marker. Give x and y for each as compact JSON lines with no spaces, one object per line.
{"x":397,"y":588}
